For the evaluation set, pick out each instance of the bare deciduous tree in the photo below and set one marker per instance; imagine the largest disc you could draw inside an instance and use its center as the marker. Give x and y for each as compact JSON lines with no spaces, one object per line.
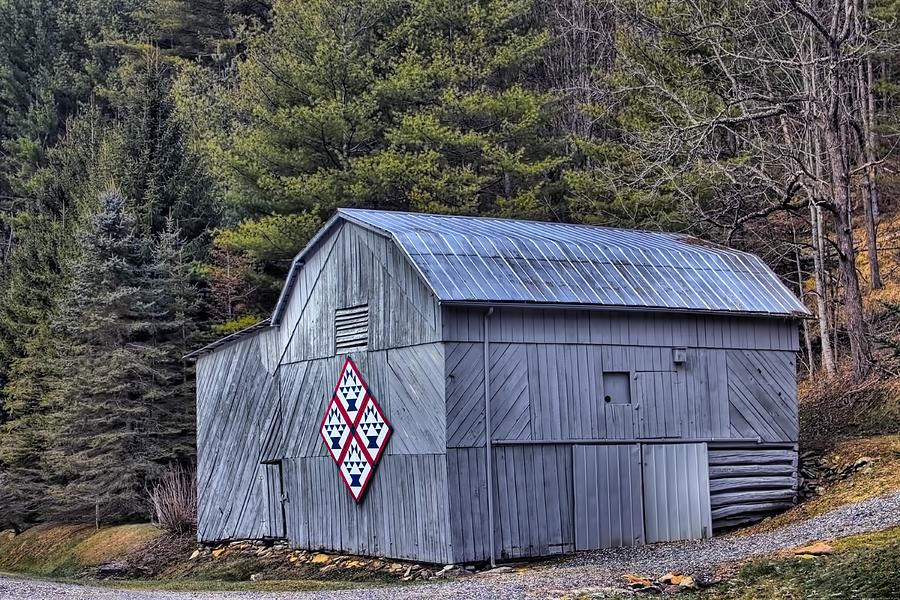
{"x":766,"y":106}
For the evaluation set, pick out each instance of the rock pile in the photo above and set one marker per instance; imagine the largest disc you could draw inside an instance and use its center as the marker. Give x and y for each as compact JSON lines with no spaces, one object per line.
{"x":817,"y":472}
{"x":329,"y":565}
{"x":670,"y":583}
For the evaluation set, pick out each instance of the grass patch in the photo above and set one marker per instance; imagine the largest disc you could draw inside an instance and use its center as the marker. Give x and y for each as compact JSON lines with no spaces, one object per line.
{"x":67,"y":550}
{"x":879,"y":479}
{"x":863,"y":566}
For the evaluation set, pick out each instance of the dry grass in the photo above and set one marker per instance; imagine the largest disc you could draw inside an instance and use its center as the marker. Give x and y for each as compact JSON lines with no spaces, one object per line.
{"x":863,"y":566}
{"x":174,"y":501}
{"x":888,"y":261}
{"x":838,"y":408}
{"x":66,"y":550}
{"x":881,"y":477}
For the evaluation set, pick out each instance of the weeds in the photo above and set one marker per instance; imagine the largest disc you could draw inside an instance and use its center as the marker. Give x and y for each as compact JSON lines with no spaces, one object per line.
{"x":174,"y":501}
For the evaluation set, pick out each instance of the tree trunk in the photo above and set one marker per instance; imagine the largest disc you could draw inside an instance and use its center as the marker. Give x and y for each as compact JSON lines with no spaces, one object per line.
{"x":840,"y":191}
{"x":818,"y":239}
{"x":866,"y":101}
{"x":810,"y":360}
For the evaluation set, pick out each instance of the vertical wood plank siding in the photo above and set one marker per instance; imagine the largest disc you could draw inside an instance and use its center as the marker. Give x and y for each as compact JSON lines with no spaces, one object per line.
{"x":548,"y":389}
{"x":738,"y":380}
{"x":355,"y":267}
{"x":405,"y":513}
{"x":261,"y":400}
{"x":542,"y":326}
{"x":254,"y":416}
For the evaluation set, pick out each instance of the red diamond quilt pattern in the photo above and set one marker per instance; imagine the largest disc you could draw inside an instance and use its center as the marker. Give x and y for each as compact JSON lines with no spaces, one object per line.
{"x":354,"y":430}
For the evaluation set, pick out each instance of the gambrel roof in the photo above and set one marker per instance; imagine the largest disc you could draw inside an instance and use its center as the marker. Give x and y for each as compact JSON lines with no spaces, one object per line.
{"x":487,"y":260}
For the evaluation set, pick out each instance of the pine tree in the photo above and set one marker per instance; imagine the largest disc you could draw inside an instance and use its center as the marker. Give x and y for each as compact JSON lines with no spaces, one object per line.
{"x":480,"y":137}
{"x":425,"y":106}
{"x":176,"y":313}
{"x":100,"y":451}
{"x":153,"y":163}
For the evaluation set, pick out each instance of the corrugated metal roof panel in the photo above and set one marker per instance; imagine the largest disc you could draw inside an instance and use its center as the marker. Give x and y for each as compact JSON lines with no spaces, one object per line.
{"x":475,"y":259}
{"x":484,"y":259}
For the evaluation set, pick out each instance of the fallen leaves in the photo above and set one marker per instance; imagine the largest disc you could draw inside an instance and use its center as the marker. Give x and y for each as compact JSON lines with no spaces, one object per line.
{"x":817,"y":549}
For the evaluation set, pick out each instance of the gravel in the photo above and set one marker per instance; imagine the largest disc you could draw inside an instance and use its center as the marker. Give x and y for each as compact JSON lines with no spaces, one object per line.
{"x":602,"y":568}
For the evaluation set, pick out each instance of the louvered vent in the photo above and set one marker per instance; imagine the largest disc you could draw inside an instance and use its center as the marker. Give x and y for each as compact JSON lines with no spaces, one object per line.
{"x":351,"y":328}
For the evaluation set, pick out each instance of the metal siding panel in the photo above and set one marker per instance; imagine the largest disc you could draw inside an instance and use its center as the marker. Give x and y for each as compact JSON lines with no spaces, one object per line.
{"x":676,"y":478}
{"x":608,"y":498}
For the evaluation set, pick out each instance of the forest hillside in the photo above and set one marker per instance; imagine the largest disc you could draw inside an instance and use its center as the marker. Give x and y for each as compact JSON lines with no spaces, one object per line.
{"x":162,"y":161}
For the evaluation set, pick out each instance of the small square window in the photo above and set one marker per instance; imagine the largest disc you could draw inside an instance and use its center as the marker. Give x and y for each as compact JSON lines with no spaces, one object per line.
{"x":616,"y":387}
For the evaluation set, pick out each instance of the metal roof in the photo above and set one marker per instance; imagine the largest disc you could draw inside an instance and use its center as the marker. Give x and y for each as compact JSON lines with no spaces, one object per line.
{"x":476,"y":259}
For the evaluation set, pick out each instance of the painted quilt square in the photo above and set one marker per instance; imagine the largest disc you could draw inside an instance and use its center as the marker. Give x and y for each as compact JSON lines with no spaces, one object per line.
{"x":354,"y":430}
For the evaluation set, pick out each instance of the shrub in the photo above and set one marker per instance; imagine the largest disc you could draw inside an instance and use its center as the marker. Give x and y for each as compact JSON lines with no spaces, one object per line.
{"x":836,"y":408}
{"x":174,"y":500}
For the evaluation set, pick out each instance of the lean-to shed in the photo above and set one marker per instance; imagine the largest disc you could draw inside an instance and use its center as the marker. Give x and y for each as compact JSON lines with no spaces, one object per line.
{"x":452,"y":389}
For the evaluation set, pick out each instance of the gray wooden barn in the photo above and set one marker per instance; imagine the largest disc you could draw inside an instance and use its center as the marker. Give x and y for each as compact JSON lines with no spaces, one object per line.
{"x":640,"y":387}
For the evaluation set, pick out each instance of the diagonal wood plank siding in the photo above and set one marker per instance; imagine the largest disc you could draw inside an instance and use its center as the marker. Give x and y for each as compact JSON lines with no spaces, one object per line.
{"x":236,"y":405}
{"x":762,"y":395}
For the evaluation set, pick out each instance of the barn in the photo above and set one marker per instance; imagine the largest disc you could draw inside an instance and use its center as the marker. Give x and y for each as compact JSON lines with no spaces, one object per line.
{"x":457,"y":389}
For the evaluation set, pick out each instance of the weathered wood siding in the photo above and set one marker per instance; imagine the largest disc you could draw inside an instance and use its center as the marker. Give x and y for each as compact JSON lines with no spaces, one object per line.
{"x":405,"y":513}
{"x":738,"y":379}
{"x":746,"y":484}
{"x":678,"y":379}
{"x":737,"y":382}
{"x":355,"y":266}
{"x":237,"y":416}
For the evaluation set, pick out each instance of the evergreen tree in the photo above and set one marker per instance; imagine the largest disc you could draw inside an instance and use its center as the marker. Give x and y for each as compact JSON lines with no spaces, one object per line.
{"x":101,"y":450}
{"x":176,"y":312}
{"x":416,"y":106}
{"x":31,"y":290}
{"x":24,"y":340}
{"x":479,"y":138}
{"x":52,"y":57}
{"x":154,"y":165}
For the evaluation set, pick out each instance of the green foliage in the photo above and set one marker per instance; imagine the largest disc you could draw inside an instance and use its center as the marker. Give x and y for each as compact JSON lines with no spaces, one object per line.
{"x":153,"y":164}
{"x":120,"y":395}
{"x":135,"y":142}
{"x":102,"y":371}
{"x":417,"y":106}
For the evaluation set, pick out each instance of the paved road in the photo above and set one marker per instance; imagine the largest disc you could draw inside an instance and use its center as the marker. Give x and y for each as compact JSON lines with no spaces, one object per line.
{"x":602,"y":568}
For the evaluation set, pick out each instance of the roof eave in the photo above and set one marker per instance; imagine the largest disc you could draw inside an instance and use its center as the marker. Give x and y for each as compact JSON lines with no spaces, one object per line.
{"x":232,"y":337}
{"x":621,"y":308}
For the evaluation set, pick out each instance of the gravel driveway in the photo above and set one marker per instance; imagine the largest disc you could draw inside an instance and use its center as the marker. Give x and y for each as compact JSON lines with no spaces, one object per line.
{"x":591,"y":569}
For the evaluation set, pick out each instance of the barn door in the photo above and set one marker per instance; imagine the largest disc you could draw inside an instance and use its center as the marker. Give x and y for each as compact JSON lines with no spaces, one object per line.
{"x":608,"y":503}
{"x":273,"y":500}
{"x":676,"y":492}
